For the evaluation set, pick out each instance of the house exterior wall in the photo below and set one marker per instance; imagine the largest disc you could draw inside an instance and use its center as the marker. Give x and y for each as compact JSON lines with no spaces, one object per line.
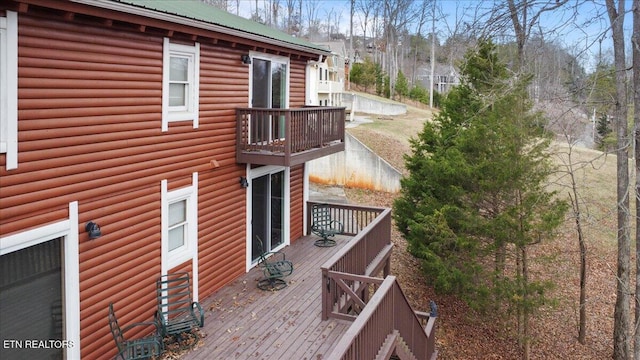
{"x":297,"y":202}
{"x":89,"y":131}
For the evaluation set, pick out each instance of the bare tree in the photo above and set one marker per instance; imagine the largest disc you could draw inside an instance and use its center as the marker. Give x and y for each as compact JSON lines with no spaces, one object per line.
{"x":571,"y":169}
{"x":220,"y":4}
{"x":398,"y":14}
{"x":621,"y":339}
{"x":289,"y":23}
{"x":525,"y":16}
{"x":422,"y":19}
{"x":313,"y":20}
{"x":635,"y":46}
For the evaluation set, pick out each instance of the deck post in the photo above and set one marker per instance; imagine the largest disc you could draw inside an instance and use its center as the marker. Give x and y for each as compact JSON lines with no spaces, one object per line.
{"x":326,"y":302}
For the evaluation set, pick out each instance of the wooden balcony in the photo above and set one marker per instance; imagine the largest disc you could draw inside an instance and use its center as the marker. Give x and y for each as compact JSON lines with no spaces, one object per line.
{"x":324,"y":313}
{"x":288,"y":137}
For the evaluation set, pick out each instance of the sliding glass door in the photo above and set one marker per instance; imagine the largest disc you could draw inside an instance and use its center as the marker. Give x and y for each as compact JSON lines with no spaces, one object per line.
{"x":267,"y":212}
{"x":268,"y":90}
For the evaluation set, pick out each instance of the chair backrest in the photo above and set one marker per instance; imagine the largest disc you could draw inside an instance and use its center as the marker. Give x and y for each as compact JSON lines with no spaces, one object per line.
{"x":259,"y":245}
{"x":321,"y":216}
{"x":57,"y":318}
{"x":173,"y":294}
{"x":118,"y":337}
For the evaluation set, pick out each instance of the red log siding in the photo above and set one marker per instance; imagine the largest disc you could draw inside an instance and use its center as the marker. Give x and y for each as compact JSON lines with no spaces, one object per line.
{"x":221,"y":229}
{"x":89,"y":130}
{"x":297,"y":83}
{"x":297,"y":99}
{"x":297,"y":202}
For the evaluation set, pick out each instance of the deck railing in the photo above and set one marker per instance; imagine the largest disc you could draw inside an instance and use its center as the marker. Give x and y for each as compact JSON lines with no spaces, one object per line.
{"x":288,"y":130}
{"x":387,"y":325}
{"x":352,"y":290}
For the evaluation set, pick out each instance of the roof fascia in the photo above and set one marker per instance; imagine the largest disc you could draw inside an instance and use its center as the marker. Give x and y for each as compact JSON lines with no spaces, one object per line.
{"x":135,"y":10}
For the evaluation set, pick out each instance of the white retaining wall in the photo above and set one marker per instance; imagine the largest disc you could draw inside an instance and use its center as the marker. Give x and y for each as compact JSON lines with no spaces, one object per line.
{"x":357,"y":167}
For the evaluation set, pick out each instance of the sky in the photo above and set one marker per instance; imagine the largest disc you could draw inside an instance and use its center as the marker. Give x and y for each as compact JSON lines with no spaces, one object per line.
{"x":579,"y":30}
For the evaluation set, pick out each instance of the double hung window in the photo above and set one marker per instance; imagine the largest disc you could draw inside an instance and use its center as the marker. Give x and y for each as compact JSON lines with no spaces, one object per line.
{"x":179,"y":223}
{"x":180,"y":83}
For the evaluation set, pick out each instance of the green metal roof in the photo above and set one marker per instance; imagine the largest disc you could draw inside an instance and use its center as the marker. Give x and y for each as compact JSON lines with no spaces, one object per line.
{"x":201,"y":12}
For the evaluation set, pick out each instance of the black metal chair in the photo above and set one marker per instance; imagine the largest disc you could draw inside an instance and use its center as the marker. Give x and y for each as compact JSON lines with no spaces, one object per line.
{"x":324,"y":226}
{"x":178,"y":315}
{"x":274,"y":267}
{"x":129,"y":349}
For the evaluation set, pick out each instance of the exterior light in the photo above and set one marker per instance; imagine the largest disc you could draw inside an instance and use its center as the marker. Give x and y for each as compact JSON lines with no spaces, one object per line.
{"x":244,"y":182}
{"x":93,"y":230}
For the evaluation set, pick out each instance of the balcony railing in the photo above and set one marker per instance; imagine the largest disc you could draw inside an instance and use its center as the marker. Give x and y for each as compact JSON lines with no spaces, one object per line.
{"x":384,"y":322}
{"x":329,"y":86}
{"x":288,"y":136}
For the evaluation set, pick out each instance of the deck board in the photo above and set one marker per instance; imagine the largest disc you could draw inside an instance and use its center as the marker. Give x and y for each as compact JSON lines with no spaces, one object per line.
{"x":243,"y":322}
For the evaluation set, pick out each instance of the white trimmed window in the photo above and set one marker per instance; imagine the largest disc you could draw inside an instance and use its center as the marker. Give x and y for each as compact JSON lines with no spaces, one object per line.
{"x":9,"y":88}
{"x":180,"y":83}
{"x":179,"y":223}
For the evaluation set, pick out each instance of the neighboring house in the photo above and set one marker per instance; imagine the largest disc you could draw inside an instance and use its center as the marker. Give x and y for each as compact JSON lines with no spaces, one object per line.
{"x":150,"y":119}
{"x":327,"y":76}
{"x":445,"y":77}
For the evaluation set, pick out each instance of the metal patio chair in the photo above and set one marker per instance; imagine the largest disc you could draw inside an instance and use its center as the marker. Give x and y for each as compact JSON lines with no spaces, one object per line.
{"x":324,"y":226}
{"x":274,"y":267}
{"x":142,"y":348}
{"x":178,"y":315}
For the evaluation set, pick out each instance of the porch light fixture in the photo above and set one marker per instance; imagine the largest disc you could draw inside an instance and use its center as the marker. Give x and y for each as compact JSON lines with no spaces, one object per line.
{"x":246,"y":59}
{"x":244,"y":182}
{"x":93,"y":230}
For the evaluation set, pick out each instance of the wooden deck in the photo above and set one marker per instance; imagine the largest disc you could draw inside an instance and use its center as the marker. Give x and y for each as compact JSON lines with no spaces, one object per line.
{"x":243,"y":322}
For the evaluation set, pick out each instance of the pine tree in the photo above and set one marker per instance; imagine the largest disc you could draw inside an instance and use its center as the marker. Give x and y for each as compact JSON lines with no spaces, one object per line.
{"x":402,"y":85}
{"x":475,"y":193}
{"x":603,"y":130}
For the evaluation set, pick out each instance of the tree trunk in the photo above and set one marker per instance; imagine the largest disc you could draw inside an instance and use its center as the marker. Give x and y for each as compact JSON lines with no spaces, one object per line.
{"x":526,"y":340}
{"x":635,"y":46}
{"x":621,"y":338}
{"x":582,"y":322}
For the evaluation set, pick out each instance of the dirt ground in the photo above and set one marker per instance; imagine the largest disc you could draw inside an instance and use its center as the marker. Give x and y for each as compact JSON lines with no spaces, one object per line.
{"x":462,"y":334}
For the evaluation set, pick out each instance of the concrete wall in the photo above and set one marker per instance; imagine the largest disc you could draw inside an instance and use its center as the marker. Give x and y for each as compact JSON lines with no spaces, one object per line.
{"x":362,"y":104}
{"x":357,"y":167}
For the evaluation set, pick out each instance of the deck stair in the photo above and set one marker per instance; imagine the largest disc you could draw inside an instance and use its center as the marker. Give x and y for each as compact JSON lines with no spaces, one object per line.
{"x":395,"y":348}
{"x":358,"y":287}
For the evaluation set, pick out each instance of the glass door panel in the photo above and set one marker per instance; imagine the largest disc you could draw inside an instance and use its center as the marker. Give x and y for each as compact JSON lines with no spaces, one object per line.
{"x":259,"y":215}
{"x":268,"y":90}
{"x":260,"y":98}
{"x":261,"y":73}
{"x":277,"y":208}
{"x":279,"y":95}
{"x":267,"y":212}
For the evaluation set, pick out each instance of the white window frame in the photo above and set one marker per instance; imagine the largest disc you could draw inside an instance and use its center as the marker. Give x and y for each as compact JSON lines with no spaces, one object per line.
{"x":286,"y":231}
{"x":192,"y":96}
{"x":273,"y":59}
{"x":189,"y":250}
{"x":9,"y":88}
{"x":68,"y":229}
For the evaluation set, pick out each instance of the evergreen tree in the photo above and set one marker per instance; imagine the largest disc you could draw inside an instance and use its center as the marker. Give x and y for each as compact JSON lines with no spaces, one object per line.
{"x":475,"y":191}
{"x":386,"y":87}
{"x":364,"y":74}
{"x":603,"y":130}
{"x":419,"y":93}
{"x":402,"y":85}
